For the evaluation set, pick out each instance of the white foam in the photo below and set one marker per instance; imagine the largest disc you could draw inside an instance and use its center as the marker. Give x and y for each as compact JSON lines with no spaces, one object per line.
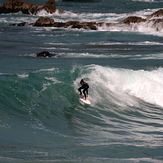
{"x":50,"y":69}
{"x":45,"y":86}
{"x":82,"y":17}
{"x":129,"y":43}
{"x":123,"y":86}
{"x":54,"y":80}
{"x":150,"y":56}
{"x":147,"y":27}
{"x":83,"y":55}
{"x":23,"y":75}
{"x":97,"y":17}
{"x":144,"y":13}
{"x":43,"y":13}
{"x":145,"y":0}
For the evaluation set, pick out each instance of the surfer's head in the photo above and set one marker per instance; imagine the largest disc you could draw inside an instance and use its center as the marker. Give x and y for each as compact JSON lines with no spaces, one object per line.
{"x":82,"y":81}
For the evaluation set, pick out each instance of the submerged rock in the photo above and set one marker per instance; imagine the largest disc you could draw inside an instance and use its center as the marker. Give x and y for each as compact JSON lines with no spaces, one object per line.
{"x":13,"y":6}
{"x":45,"y":54}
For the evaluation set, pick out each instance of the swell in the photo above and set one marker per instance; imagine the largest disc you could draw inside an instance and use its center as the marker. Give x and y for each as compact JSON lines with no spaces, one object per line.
{"x":110,"y":87}
{"x":42,"y":110}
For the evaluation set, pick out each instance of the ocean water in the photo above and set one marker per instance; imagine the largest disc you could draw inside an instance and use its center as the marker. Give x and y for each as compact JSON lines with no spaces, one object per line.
{"x":41,"y":117}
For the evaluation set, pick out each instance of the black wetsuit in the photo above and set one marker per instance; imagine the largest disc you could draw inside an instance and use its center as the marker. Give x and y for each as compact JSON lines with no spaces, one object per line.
{"x":85,"y":87}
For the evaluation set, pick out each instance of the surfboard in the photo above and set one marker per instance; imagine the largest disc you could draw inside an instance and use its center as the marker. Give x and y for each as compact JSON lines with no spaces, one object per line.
{"x":81,"y":97}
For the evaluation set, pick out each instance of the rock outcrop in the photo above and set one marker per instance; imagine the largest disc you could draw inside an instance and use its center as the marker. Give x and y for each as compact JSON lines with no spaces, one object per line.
{"x":158,"y":13}
{"x":28,"y":8}
{"x":133,"y":19}
{"x":13,"y":6}
{"x":50,"y":6}
{"x":48,"y":22}
{"x":79,"y":25}
{"x":44,"y":22}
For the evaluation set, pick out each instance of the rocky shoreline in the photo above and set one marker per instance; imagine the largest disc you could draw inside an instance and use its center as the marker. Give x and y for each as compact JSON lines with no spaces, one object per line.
{"x":13,"y":6}
{"x":48,"y":22}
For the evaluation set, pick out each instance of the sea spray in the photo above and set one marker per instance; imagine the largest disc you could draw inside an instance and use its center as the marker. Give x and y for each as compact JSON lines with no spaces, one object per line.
{"x":123,"y":85}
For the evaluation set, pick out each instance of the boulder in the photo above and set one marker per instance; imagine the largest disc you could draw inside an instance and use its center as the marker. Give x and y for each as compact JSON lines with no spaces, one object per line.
{"x":13,"y":6}
{"x":133,"y":19}
{"x":92,"y":25}
{"x":44,"y":22}
{"x":50,"y":6}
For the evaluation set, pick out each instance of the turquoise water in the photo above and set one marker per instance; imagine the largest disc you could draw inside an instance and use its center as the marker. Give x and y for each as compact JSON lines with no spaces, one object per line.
{"x":41,"y":117}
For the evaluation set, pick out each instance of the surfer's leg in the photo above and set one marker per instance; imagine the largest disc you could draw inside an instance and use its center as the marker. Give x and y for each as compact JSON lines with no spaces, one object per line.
{"x":86,"y":90}
{"x":80,"y":91}
{"x":85,"y":93}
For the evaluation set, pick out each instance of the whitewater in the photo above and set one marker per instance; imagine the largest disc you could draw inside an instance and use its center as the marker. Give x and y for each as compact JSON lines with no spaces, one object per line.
{"x":41,"y":117}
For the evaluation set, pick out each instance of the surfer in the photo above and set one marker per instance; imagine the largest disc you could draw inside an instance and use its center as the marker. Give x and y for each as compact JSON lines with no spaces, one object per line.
{"x":85,"y":87}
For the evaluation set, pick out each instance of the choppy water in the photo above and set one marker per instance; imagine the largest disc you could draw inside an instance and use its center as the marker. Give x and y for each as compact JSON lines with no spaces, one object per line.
{"x":41,"y":118}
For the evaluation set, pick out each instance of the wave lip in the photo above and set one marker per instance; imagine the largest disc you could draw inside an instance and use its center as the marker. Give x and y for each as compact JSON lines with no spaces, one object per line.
{"x":125,"y":85}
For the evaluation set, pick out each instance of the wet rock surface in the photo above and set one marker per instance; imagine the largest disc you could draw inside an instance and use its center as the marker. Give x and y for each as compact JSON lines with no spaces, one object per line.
{"x":13,"y":6}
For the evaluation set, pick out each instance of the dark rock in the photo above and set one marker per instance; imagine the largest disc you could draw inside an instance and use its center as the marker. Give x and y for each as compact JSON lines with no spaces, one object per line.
{"x":71,"y":23}
{"x":158,"y":13}
{"x":92,"y":25}
{"x":59,"y":24}
{"x":133,"y":19}
{"x":50,"y":6}
{"x":13,"y":6}
{"x":80,"y":25}
{"x":23,"y":24}
{"x":44,"y":22}
{"x":156,"y":24}
{"x":47,"y":22}
{"x":44,"y":54}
